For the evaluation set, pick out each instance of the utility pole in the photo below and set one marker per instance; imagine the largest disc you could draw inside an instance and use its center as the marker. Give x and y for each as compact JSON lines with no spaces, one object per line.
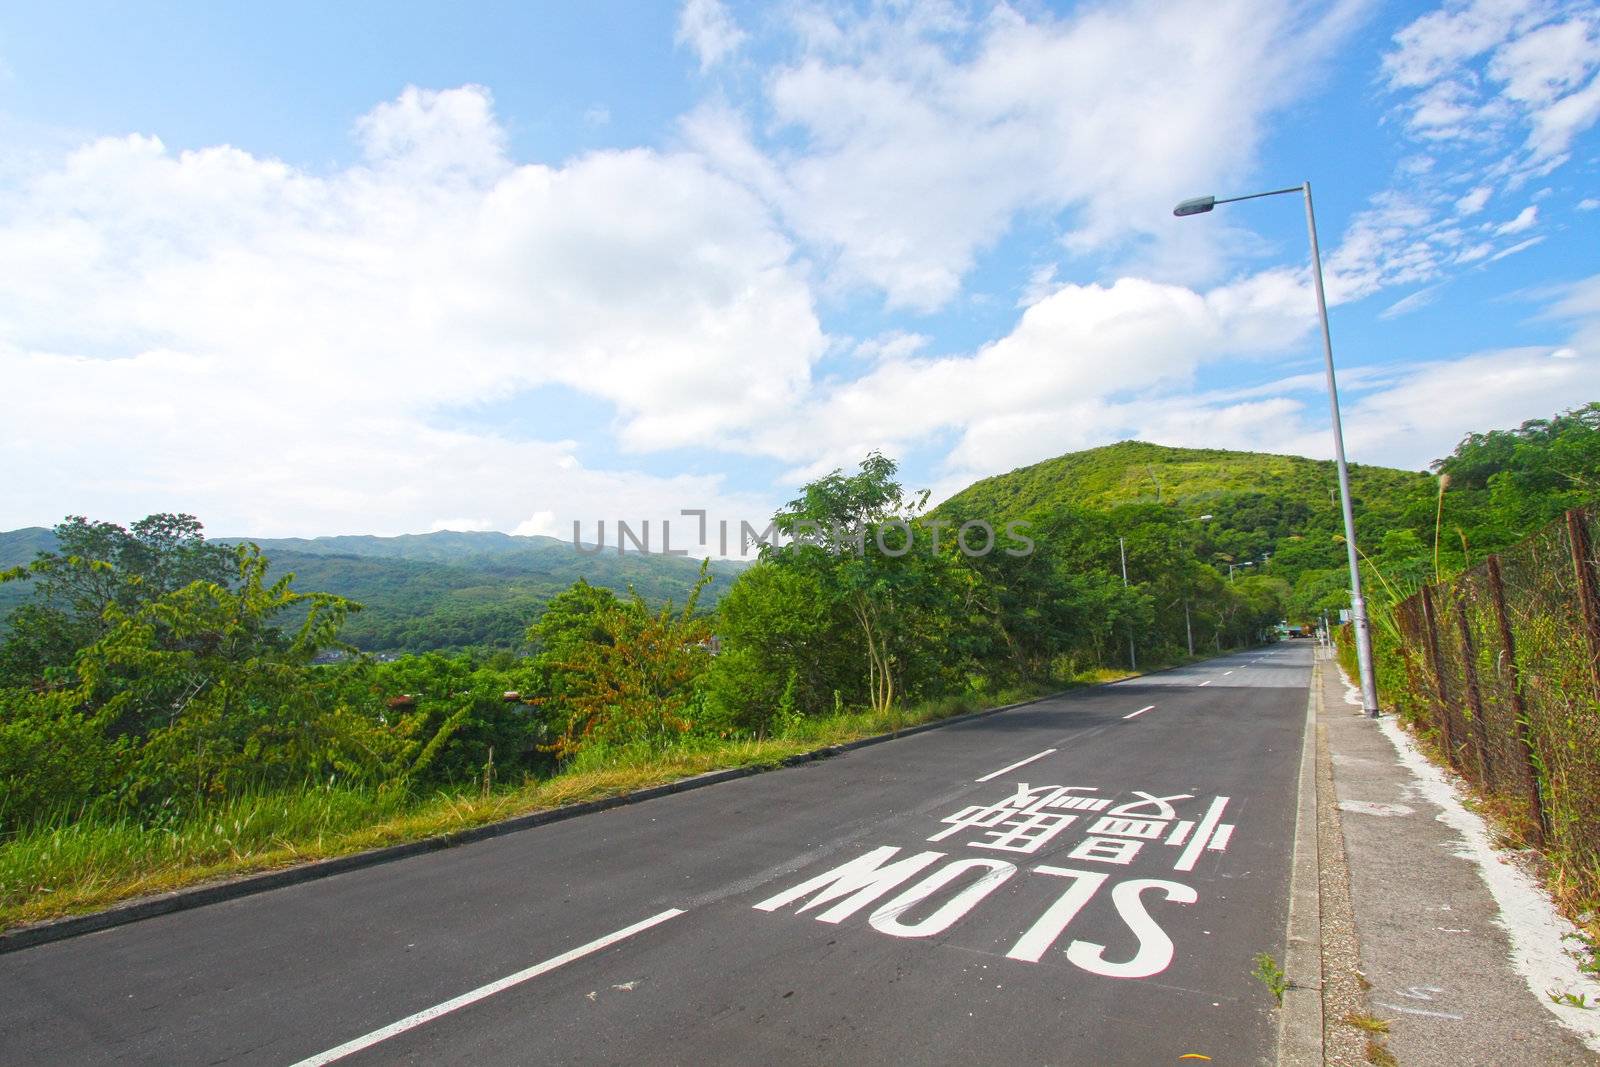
{"x":1188,"y":631}
{"x":1133,"y":658}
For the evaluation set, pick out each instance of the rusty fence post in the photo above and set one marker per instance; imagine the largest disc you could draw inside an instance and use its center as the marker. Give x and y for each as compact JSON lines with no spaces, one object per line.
{"x":1430,"y":618}
{"x":1469,"y":668}
{"x":1519,"y":711}
{"x":1588,"y":589}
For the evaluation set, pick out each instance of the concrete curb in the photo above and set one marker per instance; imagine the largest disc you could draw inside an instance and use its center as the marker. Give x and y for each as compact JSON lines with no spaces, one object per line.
{"x":22,"y":937}
{"x":1300,"y":1036}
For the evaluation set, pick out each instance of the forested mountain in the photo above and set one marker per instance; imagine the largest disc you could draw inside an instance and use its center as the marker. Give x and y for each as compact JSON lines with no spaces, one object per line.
{"x":447,"y":590}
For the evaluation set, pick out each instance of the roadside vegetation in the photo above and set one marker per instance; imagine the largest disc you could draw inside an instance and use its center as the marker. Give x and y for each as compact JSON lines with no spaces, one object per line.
{"x":1495,"y":662}
{"x":168,"y":714}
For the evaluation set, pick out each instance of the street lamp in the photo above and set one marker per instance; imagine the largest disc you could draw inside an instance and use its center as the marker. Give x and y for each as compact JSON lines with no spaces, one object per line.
{"x":1358,"y":605}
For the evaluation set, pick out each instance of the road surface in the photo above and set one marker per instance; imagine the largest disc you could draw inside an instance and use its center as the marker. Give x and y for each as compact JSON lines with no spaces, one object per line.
{"x":1083,"y":880}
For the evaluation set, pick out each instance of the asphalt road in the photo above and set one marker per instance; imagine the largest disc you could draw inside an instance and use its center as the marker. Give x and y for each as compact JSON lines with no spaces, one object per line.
{"x":1100,"y":902}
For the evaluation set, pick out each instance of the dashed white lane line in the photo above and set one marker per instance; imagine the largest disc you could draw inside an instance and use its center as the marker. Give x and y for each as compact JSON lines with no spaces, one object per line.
{"x":1206,"y":682}
{"x":1141,"y":711}
{"x":1226,"y":673}
{"x":1014,"y":766}
{"x":411,"y":1022}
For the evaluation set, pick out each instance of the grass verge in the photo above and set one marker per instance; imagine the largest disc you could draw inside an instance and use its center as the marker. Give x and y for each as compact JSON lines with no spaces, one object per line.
{"x":82,"y":865}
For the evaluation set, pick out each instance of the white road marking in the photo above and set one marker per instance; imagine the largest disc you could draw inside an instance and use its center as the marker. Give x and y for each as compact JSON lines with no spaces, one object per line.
{"x":411,"y":1022}
{"x":1206,"y":682}
{"x":1141,"y":711}
{"x":1202,"y":837}
{"x":1226,"y":673}
{"x":1419,"y":1011}
{"x":1014,"y":766}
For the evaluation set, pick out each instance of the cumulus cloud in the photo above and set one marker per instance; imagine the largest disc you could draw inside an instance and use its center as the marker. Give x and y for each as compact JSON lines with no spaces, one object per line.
{"x":1056,"y":381}
{"x":269,"y":347}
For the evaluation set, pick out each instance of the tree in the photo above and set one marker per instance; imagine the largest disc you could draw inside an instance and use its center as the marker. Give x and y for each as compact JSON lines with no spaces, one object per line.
{"x":634,"y":678}
{"x":94,"y":567}
{"x":780,"y":632}
{"x":853,"y":537}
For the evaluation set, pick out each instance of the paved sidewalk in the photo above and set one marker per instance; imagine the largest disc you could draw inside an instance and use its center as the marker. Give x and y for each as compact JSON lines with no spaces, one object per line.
{"x":1432,"y":941}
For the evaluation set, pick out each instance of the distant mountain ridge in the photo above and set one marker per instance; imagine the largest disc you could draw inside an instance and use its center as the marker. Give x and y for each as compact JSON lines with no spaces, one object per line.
{"x":441,"y":546}
{"x":441,"y":590}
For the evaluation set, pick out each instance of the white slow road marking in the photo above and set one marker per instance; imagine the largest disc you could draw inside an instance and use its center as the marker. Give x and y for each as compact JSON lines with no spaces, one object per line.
{"x":411,"y":1022}
{"x":1141,"y":711}
{"x":1014,"y":766}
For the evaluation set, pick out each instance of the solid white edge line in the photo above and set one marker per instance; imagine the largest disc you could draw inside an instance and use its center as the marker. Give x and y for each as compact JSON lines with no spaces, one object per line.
{"x":1014,"y":766}
{"x":1141,"y":711}
{"x":411,"y":1022}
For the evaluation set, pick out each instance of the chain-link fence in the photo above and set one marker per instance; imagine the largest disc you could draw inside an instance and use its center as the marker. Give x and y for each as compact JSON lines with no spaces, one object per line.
{"x":1501,"y":666}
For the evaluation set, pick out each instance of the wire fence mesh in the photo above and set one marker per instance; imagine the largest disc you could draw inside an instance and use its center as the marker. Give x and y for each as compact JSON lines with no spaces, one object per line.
{"x":1500,"y":667}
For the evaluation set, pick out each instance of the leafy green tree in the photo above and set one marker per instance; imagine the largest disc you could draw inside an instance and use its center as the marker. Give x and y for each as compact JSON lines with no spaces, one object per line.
{"x":97,"y":566}
{"x":781,"y":633}
{"x":853,"y":537}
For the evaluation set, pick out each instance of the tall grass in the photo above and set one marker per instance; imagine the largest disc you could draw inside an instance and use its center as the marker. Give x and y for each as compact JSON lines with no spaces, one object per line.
{"x":85,"y":861}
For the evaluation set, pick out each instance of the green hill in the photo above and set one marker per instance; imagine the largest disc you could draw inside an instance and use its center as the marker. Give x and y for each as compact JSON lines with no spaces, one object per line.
{"x":1193,"y":479}
{"x":1278,"y":515}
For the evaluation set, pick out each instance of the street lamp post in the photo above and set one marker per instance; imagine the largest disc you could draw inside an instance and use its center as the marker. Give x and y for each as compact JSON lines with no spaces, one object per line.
{"x":1133,"y":657}
{"x":1358,"y":603}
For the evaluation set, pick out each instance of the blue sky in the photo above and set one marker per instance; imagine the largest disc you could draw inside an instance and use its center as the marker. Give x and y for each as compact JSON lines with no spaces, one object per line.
{"x":396,"y":267}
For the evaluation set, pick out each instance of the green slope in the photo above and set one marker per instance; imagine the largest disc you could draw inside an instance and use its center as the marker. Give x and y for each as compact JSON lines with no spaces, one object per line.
{"x":1194,"y":479}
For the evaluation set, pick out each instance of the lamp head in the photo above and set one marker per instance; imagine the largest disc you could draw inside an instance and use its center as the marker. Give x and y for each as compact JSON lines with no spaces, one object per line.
{"x":1198,"y":206}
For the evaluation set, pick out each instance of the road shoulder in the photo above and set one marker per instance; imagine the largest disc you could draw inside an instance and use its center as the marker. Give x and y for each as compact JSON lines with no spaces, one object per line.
{"x":1449,"y":970}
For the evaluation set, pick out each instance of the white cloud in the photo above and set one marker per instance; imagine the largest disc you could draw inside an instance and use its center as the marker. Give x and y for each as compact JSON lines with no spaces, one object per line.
{"x":1525,"y":220}
{"x":272,"y":348}
{"x":461,"y":525}
{"x":1473,"y":202}
{"x":539,"y":524}
{"x":1073,"y":356}
{"x":906,"y":142}
{"x":1424,"y":416}
{"x":1588,"y":203}
{"x":1404,"y":415}
{"x":1407,"y":304}
{"x":1479,"y":71}
{"x":708,"y":27}
{"x":1520,"y":246}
